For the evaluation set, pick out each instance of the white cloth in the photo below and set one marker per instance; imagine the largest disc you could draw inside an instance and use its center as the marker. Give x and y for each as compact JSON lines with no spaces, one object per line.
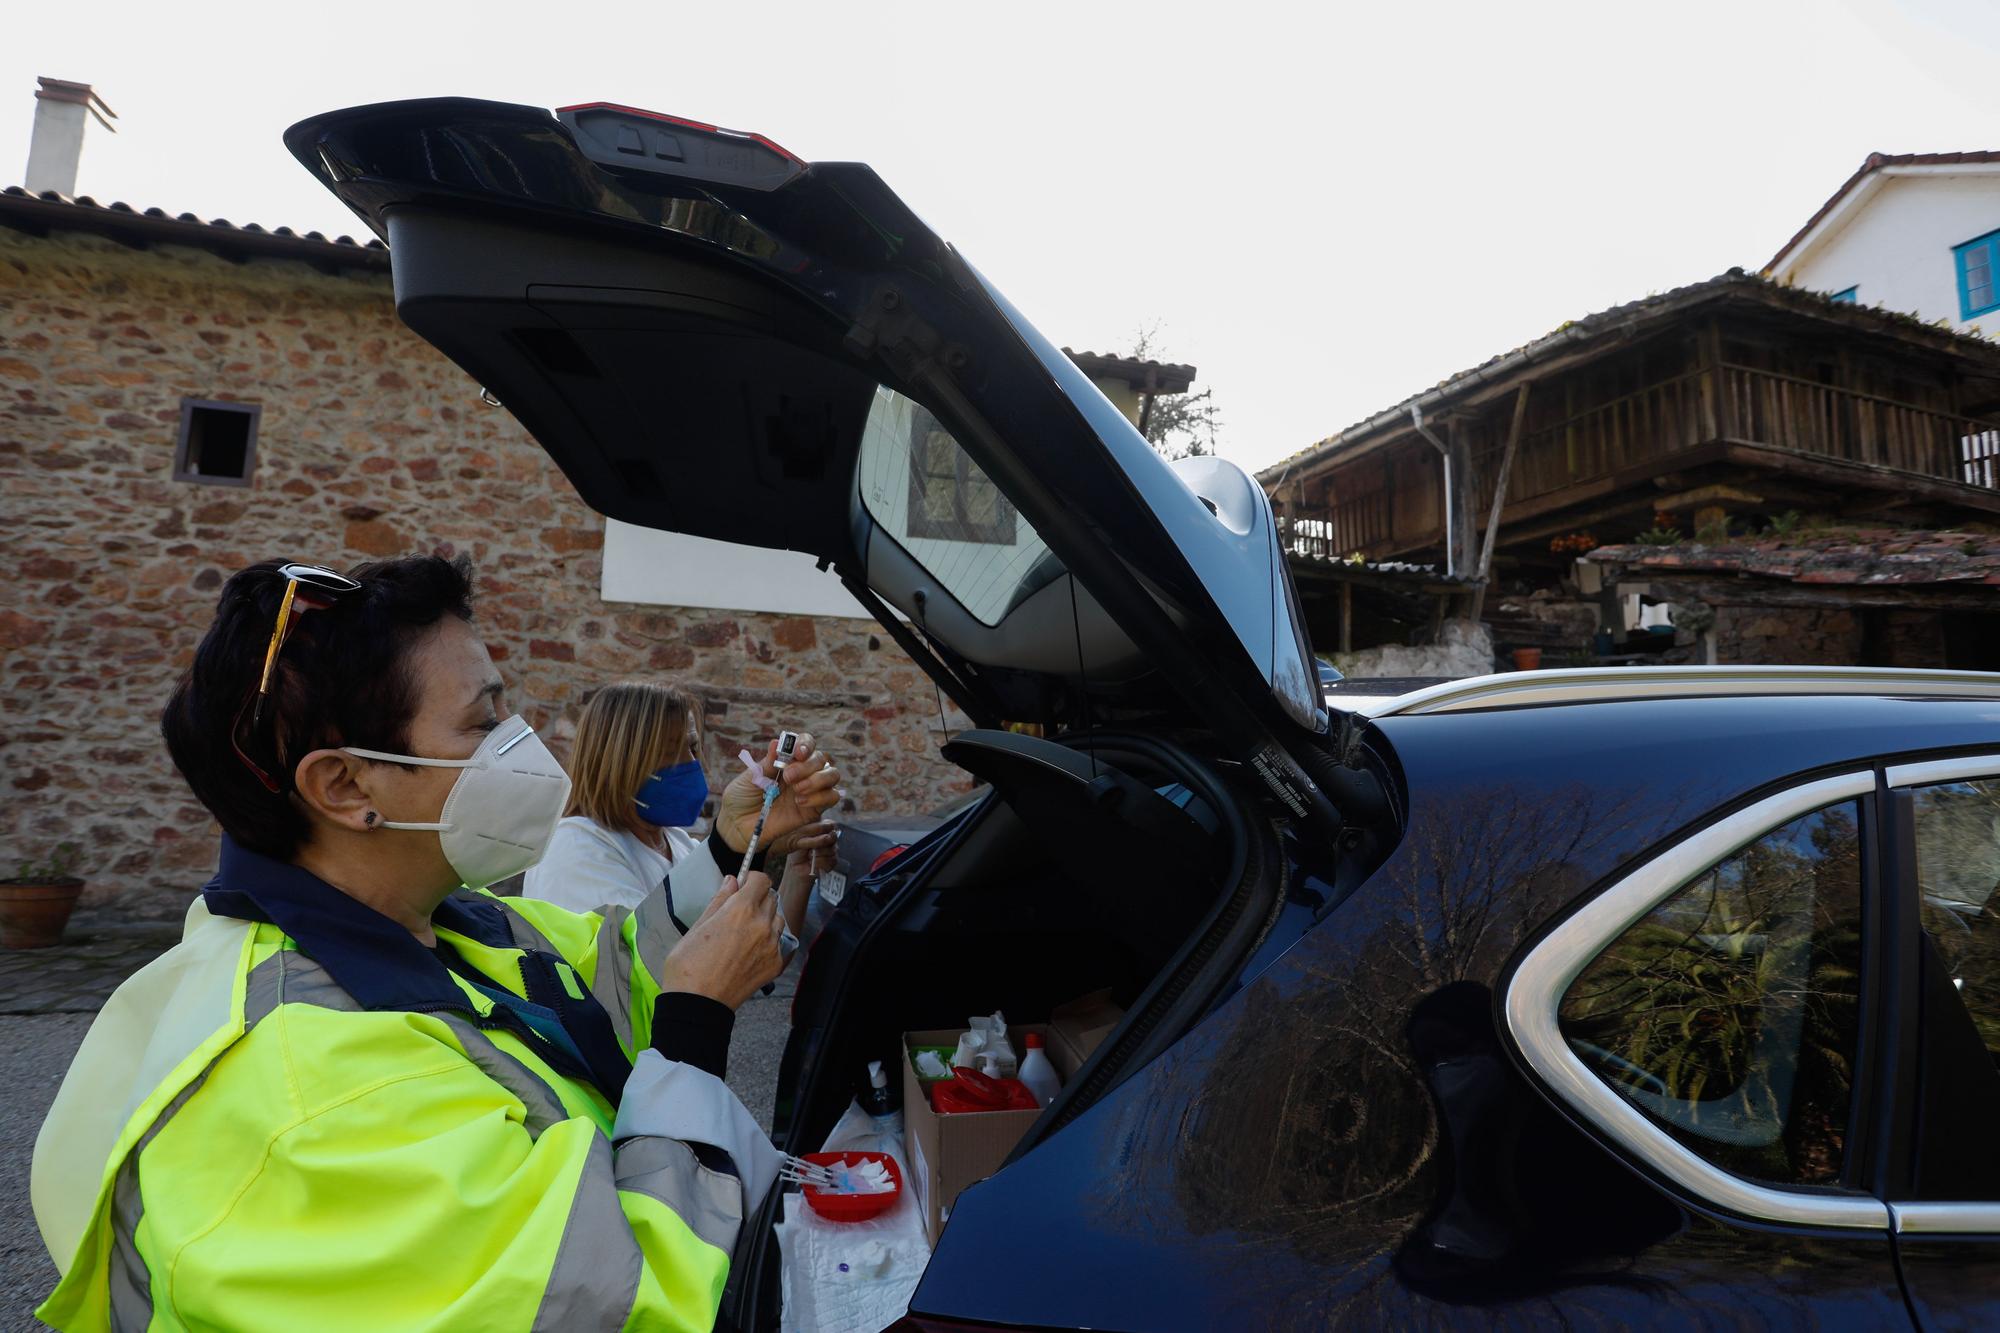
{"x":884,"y":1255}
{"x":588,"y":867}
{"x":670,"y":1100}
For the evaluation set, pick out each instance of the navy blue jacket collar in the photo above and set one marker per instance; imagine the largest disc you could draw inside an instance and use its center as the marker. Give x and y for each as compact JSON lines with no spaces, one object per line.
{"x":373,"y":959}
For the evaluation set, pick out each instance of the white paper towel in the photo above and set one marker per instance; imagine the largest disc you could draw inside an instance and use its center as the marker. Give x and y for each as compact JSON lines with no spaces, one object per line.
{"x":884,"y":1256}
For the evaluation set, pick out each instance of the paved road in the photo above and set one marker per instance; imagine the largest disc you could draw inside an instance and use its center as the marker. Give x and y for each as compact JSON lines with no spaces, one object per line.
{"x":36,"y":1047}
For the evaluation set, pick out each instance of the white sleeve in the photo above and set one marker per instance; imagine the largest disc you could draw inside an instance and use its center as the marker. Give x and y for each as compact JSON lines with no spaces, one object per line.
{"x":668,"y":1100}
{"x":695,"y":877}
{"x":584,"y":871}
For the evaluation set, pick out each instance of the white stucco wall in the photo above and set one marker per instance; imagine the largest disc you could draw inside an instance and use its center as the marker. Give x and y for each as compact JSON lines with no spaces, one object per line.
{"x":1895,"y":246}
{"x":670,"y":569}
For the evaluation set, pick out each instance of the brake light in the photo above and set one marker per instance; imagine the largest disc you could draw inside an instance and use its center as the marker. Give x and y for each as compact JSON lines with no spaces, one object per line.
{"x":888,"y":856}
{"x":700,"y":127}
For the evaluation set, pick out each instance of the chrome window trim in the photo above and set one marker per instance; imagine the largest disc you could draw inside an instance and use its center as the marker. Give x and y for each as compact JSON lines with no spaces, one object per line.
{"x":1933,"y":771}
{"x":1514,"y":689}
{"x":1545,"y":974}
{"x":1929,"y":1217}
{"x":1944,"y":1219}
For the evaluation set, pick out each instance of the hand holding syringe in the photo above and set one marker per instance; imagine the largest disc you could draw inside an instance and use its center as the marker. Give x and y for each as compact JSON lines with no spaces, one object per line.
{"x":788,"y":744}
{"x":780,"y":801}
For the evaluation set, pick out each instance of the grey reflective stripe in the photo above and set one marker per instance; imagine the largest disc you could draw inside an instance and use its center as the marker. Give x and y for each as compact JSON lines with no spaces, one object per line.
{"x":289,"y":977}
{"x":613,"y":983}
{"x":526,"y":936}
{"x":543,"y":1107}
{"x":667,"y":1170}
{"x":131,"y":1282}
{"x":595,"y":1280}
{"x":657,"y":935}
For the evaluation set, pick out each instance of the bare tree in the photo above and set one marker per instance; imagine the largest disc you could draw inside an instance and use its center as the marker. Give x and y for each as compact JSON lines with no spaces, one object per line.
{"x":1179,"y":425}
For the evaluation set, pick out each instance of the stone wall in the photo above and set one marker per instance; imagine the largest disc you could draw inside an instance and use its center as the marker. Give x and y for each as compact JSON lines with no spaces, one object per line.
{"x":1787,"y":635}
{"x":371,"y":444}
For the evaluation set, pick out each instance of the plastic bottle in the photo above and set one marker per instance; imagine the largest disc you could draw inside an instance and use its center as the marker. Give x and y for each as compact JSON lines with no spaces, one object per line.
{"x":1037,"y":1073}
{"x":884,"y":1107}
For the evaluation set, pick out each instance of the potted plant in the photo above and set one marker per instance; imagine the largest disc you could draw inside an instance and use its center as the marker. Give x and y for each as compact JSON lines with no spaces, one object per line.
{"x":35,"y":904}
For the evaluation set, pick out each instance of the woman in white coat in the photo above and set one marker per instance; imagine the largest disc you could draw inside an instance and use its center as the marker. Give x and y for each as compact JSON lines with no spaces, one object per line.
{"x":636,"y":786}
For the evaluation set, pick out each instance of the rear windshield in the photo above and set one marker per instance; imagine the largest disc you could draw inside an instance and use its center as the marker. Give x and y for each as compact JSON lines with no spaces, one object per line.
{"x":928,"y":494}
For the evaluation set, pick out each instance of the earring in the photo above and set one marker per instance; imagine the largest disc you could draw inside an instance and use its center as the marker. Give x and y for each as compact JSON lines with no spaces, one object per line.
{"x":370,"y":820}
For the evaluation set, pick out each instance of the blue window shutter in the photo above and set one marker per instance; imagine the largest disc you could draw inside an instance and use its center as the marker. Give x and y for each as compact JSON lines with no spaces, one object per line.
{"x":1847,"y":296}
{"x":1978,"y":263}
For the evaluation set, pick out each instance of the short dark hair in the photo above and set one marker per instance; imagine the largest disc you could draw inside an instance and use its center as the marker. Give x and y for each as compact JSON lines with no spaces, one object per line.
{"x":342,"y":679}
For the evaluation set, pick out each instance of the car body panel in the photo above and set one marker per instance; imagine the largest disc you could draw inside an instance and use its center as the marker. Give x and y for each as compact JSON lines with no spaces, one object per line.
{"x":1951,"y":1281}
{"x":1352,"y":1139}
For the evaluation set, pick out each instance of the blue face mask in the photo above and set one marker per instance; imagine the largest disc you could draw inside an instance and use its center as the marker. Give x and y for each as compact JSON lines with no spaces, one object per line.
{"x":673,"y":797}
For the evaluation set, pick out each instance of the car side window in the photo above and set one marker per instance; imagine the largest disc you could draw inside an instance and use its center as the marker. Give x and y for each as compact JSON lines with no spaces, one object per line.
{"x":1958,"y":886}
{"x":1730,"y":1013}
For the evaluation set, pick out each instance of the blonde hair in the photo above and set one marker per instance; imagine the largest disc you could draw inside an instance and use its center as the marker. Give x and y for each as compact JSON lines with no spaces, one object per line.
{"x":627,"y":732}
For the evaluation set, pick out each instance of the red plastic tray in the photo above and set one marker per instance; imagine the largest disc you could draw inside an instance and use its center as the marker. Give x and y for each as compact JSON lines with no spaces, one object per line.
{"x":854,"y":1207}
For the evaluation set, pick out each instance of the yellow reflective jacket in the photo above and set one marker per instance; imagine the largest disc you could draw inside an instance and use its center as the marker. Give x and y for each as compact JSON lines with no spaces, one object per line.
{"x":301,"y":1118}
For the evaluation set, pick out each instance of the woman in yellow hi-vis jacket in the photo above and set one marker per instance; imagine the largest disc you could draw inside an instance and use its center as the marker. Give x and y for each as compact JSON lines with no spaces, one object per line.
{"x":359,"y":1096}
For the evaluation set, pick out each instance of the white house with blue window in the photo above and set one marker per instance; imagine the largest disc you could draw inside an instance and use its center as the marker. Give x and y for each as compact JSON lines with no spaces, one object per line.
{"x":1912,"y":232}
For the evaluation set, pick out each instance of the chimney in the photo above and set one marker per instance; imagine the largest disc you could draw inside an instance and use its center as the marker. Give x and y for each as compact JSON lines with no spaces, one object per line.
{"x":61,"y":111}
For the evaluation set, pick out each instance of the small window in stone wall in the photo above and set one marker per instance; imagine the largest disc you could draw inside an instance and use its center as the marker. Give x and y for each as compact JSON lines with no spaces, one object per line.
{"x":218,"y":442}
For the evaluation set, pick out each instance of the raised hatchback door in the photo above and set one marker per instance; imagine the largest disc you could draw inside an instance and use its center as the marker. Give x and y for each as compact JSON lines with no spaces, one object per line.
{"x":700,"y":330}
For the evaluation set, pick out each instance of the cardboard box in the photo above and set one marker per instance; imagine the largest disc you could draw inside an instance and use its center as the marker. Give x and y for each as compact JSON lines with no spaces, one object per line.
{"x":949,"y":1152}
{"x":1081,"y":1026}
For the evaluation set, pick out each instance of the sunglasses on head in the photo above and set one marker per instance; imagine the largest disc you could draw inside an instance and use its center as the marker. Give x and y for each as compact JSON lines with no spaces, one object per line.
{"x":307,"y":588}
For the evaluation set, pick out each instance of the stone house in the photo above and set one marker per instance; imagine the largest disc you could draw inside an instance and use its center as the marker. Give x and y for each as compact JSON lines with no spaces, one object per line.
{"x":179,"y":398}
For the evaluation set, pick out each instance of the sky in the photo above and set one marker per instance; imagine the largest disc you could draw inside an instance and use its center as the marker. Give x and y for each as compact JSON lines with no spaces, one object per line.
{"x":1324,"y":208}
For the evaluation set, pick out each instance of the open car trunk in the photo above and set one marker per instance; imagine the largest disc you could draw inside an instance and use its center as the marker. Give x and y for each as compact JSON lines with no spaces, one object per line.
{"x":1117,"y":863}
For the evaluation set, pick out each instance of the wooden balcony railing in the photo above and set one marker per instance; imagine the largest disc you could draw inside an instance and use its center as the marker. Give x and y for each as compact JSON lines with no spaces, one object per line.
{"x":1659,"y":420}
{"x":1792,"y":413}
{"x":1671,"y":417}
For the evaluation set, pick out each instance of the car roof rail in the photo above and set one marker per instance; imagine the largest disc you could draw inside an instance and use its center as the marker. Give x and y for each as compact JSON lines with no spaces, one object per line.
{"x":1517,"y":689}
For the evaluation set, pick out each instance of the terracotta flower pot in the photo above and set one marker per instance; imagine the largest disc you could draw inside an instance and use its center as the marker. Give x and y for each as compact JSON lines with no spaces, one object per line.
{"x":1527,"y":659}
{"x":33,"y":912}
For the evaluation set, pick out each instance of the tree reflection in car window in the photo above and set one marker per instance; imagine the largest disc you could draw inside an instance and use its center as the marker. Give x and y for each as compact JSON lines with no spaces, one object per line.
{"x":1729,"y":1014}
{"x":1958,"y":871}
{"x":933,"y":501}
{"x":950,"y":498}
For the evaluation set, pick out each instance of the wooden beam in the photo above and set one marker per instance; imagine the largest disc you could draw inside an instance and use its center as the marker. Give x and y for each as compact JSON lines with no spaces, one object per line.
{"x":1347,"y":617}
{"x":1485,"y":565}
{"x":1725,"y":590}
{"x":1862,"y":476}
{"x":1708,"y":495}
{"x":1725,"y":403}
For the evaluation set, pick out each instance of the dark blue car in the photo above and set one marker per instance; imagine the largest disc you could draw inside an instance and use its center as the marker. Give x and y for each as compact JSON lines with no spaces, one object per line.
{"x":1594,"y":1000}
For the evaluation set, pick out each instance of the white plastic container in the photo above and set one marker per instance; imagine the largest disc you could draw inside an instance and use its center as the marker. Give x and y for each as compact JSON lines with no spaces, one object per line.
{"x":1037,"y":1073}
{"x":987,"y":1036}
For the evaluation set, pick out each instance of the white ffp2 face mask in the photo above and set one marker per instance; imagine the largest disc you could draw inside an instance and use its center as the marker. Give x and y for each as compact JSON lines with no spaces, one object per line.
{"x":503,"y":809}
